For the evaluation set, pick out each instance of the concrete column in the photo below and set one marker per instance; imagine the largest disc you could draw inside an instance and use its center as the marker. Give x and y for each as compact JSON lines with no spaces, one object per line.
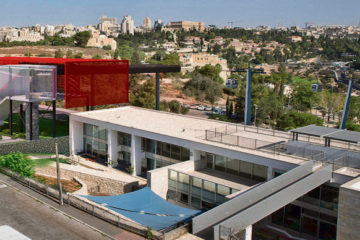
{"x":35,"y":121}
{"x":76,"y":137}
{"x":194,"y":154}
{"x":136,"y":154}
{"x":112,"y":147}
{"x":269,"y":173}
{"x":248,"y":233}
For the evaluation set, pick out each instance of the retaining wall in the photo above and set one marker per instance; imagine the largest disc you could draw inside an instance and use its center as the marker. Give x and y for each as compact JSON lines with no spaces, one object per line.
{"x":37,"y":146}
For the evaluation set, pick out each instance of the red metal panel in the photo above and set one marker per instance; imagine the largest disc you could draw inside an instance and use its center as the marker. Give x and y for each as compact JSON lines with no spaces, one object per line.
{"x":87,"y":82}
{"x":91,"y":83}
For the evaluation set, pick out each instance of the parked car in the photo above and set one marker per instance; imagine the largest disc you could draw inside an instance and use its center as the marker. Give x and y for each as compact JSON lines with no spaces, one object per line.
{"x":216,"y":110}
{"x":193,"y":106}
{"x":208,"y":108}
{"x":186,"y":105}
{"x":201,"y":108}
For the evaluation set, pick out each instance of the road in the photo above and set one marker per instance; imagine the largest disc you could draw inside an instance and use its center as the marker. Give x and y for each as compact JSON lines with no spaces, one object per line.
{"x":197,"y":113}
{"x":39,"y":217}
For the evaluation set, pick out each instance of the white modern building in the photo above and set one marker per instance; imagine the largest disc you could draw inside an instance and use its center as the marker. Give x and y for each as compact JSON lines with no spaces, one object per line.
{"x":252,"y":183}
{"x":127,"y":25}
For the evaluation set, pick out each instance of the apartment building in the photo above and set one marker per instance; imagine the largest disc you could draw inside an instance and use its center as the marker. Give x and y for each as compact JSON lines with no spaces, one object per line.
{"x":250,"y":182}
{"x":187,"y":25}
{"x":192,"y":60}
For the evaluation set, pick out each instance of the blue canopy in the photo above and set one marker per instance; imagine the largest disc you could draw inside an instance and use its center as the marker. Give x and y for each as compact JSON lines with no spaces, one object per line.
{"x":147,"y":208}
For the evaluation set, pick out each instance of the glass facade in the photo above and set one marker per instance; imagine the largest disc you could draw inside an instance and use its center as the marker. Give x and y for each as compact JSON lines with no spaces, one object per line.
{"x":236,"y":167}
{"x":95,"y":142}
{"x":124,"y":156}
{"x":171,"y":151}
{"x":196,"y":192}
{"x":124,"y":139}
{"x":313,"y":222}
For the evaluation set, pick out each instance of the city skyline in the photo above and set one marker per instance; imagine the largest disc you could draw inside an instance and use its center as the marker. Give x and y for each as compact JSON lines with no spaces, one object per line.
{"x":242,"y":13}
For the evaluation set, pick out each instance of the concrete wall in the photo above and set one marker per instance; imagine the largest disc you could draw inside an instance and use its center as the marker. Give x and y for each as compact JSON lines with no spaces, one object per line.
{"x":37,"y":146}
{"x":348,"y":225}
{"x":107,"y":185}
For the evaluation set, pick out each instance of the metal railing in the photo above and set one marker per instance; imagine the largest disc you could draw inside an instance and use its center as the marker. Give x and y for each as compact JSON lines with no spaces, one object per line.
{"x":218,"y":135}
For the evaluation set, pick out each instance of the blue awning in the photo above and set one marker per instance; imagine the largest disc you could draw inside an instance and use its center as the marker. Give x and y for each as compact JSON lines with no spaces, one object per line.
{"x":147,"y":208}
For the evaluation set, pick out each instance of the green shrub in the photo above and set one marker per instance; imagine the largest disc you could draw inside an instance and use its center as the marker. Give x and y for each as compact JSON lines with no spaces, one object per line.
{"x":18,"y":163}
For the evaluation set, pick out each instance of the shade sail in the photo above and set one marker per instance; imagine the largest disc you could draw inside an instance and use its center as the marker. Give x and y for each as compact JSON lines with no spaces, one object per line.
{"x":147,"y":208}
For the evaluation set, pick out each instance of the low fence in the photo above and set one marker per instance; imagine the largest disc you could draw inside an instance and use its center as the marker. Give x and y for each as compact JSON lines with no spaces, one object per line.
{"x":225,"y":134}
{"x":234,"y":140}
{"x":37,"y":146}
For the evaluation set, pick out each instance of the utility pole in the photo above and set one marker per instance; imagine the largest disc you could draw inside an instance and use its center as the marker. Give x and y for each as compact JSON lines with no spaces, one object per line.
{"x":249,"y":71}
{"x":58,"y":175}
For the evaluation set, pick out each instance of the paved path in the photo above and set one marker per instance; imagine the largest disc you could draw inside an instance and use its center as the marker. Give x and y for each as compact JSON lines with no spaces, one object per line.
{"x":39,"y":217}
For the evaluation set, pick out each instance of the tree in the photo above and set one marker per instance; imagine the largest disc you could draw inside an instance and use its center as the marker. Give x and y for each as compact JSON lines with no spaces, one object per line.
{"x":17,"y":162}
{"x":81,"y":38}
{"x":116,"y":54}
{"x":59,"y":54}
{"x":97,"y":56}
{"x":216,"y":49}
{"x":203,"y":88}
{"x":69,"y":54}
{"x":302,"y":97}
{"x":293,"y":120}
{"x":78,"y":55}
{"x":210,"y":71}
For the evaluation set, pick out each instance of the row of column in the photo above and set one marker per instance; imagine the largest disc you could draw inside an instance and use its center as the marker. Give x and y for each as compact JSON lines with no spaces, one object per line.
{"x":32,"y":119}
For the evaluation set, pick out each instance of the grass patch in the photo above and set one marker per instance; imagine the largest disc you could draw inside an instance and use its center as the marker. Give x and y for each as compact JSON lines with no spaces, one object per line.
{"x":45,"y":126}
{"x":43,"y":162}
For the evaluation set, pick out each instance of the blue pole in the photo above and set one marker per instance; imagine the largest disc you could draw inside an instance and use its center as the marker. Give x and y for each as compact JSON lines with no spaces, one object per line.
{"x":248,"y":97}
{"x":346,"y":106}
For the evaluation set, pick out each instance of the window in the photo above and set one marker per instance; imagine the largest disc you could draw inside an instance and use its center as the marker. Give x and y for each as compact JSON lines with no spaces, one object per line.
{"x":220,"y":163}
{"x":292,"y":217}
{"x":124,"y":139}
{"x":233,"y":166}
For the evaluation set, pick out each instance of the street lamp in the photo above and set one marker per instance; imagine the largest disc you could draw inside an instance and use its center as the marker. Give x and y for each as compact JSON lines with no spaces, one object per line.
{"x":255,"y":114}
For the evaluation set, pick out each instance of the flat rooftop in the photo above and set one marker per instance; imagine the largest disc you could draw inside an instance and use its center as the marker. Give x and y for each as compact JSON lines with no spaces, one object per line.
{"x":179,"y":126}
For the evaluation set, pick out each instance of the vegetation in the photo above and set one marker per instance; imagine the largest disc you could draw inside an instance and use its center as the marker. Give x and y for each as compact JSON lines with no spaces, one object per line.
{"x":18,"y":163}
{"x":43,"y":162}
{"x":45,"y":124}
{"x":293,"y":120}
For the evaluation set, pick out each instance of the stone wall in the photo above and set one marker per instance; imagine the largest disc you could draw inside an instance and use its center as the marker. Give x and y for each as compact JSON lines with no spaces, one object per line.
{"x":348,"y":226}
{"x":104,"y":185}
{"x":37,"y":146}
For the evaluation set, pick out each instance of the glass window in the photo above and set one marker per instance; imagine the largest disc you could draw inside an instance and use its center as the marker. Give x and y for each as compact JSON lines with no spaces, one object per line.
{"x":292,"y":217}
{"x":209,"y":186}
{"x":175,"y":152}
{"x":328,"y":218}
{"x":196,"y":187}
{"x":195,"y":202}
{"x":329,"y":197}
{"x":233,"y":166}
{"x":166,"y":149}
{"x":309,"y":226}
{"x":278,"y":216}
{"x":245,"y":169}
{"x":173,"y":175}
{"x":327,"y":231}
{"x":102,"y":133}
{"x":185,"y":154}
{"x":223,"y":190}
{"x":259,"y":172}
{"x":312,"y":197}
{"x":220,"y":163}
{"x":183,"y":178}
{"x":124,"y":139}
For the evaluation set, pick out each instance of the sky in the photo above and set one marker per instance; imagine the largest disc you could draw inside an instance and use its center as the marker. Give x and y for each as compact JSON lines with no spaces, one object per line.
{"x":243,"y":13}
